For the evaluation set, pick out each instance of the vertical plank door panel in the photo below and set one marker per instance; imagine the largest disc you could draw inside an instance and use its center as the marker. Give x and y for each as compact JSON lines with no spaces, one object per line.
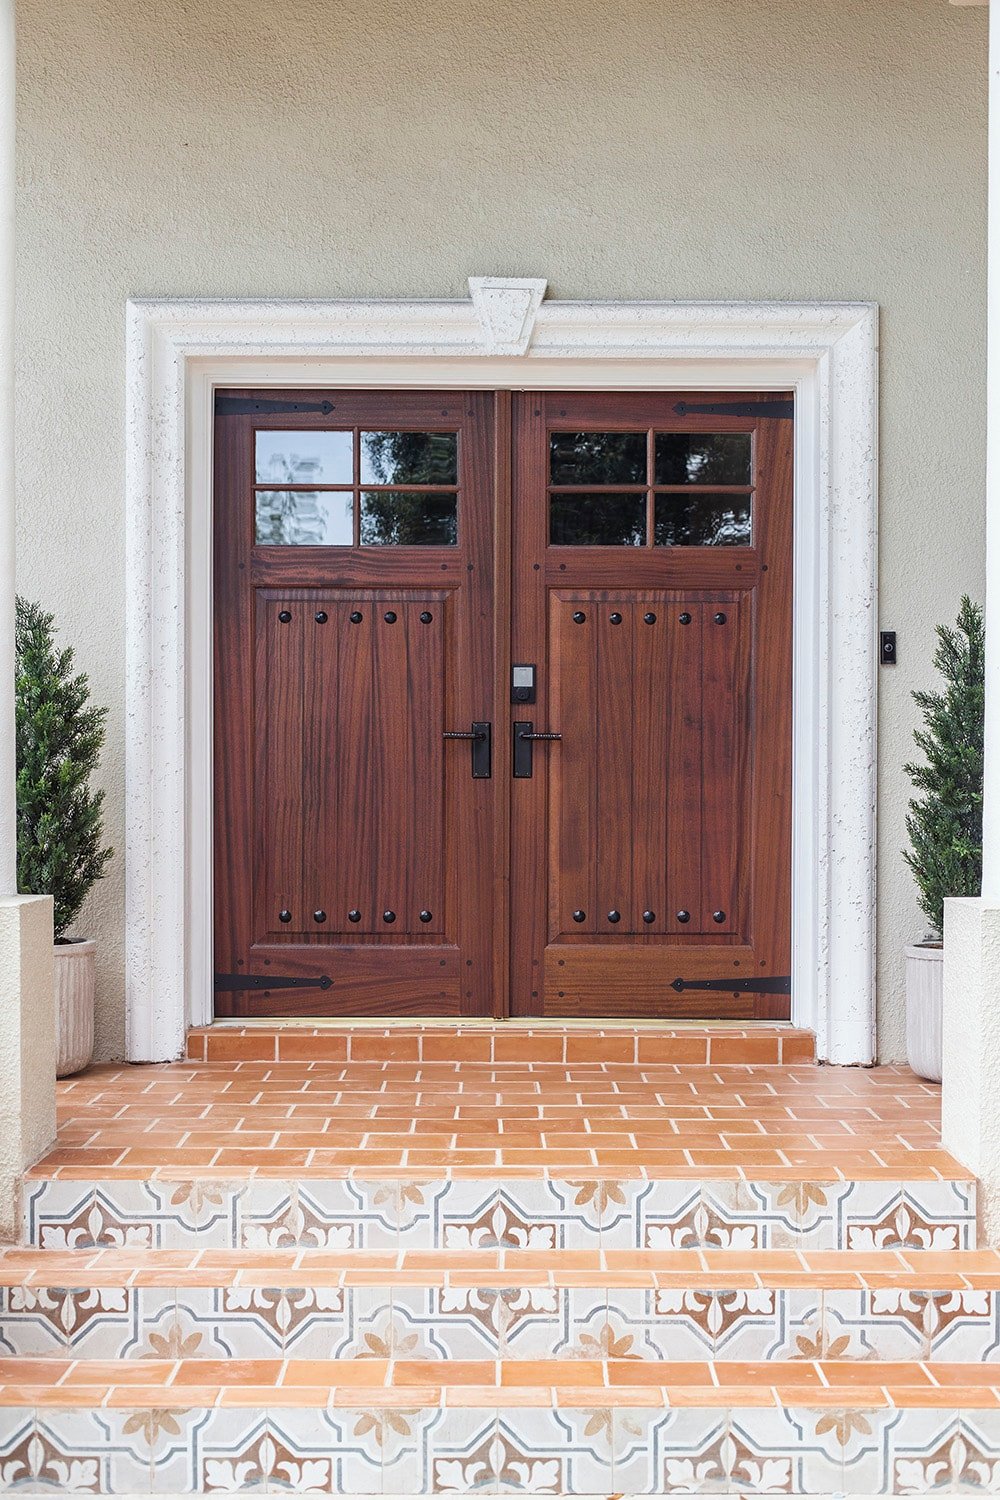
{"x":670,"y":795}
{"x":330,"y":760}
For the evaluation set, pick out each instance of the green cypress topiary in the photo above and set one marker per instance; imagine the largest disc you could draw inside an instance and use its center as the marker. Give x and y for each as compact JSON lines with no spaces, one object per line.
{"x":945,"y":824}
{"x":59,"y":739}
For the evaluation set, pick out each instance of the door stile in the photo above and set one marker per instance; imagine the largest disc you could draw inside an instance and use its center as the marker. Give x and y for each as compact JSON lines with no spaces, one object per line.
{"x":529,"y":643}
{"x":771,"y":839}
{"x":502,"y":707}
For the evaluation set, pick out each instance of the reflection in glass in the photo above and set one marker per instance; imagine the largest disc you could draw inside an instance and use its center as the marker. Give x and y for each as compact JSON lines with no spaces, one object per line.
{"x":703,"y":457}
{"x":304,"y":518}
{"x":409,"y":458}
{"x":590,"y":519}
{"x":597,"y":458}
{"x":701,"y":519}
{"x":408,"y":518}
{"x":304,"y":457}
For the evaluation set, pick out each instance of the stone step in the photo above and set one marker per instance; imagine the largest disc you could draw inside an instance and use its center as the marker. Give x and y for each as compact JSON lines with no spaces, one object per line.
{"x":648,"y":1306}
{"x":505,"y":1043}
{"x":189,"y":1426}
{"x":168,"y":1210}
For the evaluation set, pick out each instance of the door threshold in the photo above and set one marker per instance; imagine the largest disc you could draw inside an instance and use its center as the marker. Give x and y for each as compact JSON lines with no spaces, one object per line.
{"x":486,"y":1023}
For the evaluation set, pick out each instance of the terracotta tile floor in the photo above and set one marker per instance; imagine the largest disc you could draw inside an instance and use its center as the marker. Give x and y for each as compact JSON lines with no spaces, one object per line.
{"x":166,"y":1383}
{"x":370,"y":1117}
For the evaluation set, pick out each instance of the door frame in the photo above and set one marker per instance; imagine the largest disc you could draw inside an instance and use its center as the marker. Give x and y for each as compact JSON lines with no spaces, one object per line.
{"x":505,"y":337}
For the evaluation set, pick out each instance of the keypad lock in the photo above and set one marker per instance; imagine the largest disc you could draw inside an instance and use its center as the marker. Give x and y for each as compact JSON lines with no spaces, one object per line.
{"x":522,"y":682}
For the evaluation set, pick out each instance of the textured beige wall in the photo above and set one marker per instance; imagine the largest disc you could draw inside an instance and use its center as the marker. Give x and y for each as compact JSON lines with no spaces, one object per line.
{"x":649,"y":149}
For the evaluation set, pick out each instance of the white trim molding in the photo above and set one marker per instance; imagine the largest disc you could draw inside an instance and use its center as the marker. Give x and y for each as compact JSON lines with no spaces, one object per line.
{"x":504,"y":336}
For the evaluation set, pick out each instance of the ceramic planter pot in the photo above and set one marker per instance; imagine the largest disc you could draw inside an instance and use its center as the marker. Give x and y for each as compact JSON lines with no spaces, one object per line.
{"x":924,"y":1001}
{"x":75,"y":974}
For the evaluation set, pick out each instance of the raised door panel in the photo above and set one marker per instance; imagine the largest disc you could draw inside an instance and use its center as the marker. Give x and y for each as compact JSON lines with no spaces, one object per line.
{"x":350,"y":776}
{"x":648,"y":788}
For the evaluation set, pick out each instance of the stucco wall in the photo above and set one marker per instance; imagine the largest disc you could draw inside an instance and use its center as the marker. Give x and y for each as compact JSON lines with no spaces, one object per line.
{"x":651,"y":149}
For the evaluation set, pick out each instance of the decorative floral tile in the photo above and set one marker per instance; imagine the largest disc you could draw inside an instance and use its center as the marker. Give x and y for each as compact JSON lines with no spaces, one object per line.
{"x":458,"y":1449}
{"x":905,"y":1216}
{"x":541,"y":1450}
{"x":313,"y":1214}
{"x":640,"y":1441}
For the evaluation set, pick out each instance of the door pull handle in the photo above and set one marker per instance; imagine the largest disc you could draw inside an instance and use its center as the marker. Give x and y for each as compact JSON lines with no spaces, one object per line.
{"x":480,"y":738}
{"x":525,"y":735}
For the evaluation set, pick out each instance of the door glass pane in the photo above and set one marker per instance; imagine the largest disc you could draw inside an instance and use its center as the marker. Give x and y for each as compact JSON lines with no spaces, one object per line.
{"x":702,"y":519}
{"x":304,"y":457}
{"x":589,"y":519}
{"x":703,"y":457}
{"x":408,"y":518}
{"x":409,"y":458}
{"x":304,"y":518}
{"x":597,"y":458}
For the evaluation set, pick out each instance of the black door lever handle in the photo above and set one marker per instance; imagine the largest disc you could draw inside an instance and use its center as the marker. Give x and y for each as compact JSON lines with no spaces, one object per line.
{"x":480,"y":738}
{"x":524,"y":736}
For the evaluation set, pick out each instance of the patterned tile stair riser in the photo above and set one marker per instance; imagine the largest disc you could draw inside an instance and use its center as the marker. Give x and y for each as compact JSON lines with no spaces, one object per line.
{"x":784,"y":1299}
{"x":579,"y":1447}
{"x":261,"y":1214}
{"x":503,"y":1314}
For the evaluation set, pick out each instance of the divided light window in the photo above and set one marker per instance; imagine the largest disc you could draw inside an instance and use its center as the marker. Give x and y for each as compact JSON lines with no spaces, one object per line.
{"x":350,"y":488}
{"x":641,"y":489}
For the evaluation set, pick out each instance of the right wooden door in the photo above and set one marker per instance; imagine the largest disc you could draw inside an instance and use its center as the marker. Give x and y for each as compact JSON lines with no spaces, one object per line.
{"x":652,"y":594}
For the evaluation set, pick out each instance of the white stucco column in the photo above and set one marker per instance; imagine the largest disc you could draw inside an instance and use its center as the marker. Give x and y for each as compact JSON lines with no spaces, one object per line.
{"x":971,"y":1085}
{"x":27,"y":1056}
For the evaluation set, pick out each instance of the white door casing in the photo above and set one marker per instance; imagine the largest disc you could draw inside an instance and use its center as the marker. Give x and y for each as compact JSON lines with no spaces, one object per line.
{"x":505,"y":336}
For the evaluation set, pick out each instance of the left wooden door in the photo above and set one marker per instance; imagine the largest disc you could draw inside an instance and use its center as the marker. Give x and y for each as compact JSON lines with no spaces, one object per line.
{"x":355,"y":841}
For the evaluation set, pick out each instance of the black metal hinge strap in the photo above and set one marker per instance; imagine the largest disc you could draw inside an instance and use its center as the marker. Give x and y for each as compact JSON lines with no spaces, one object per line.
{"x":781,"y":409}
{"x":277,"y":982}
{"x":777,"y":984}
{"x":248,"y":406}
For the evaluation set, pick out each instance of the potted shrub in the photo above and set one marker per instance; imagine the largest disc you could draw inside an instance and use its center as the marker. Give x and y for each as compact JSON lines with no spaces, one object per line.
{"x":945,"y":822}
{"x":59,"y":816}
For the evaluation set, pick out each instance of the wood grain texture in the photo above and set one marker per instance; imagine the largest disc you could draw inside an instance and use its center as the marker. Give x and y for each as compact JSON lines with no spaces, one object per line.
{"x":669,"y":793}
{"x":335,"y":790}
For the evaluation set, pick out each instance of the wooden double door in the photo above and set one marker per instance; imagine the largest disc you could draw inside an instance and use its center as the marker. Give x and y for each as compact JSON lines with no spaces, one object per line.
{"x":502,"y":704}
